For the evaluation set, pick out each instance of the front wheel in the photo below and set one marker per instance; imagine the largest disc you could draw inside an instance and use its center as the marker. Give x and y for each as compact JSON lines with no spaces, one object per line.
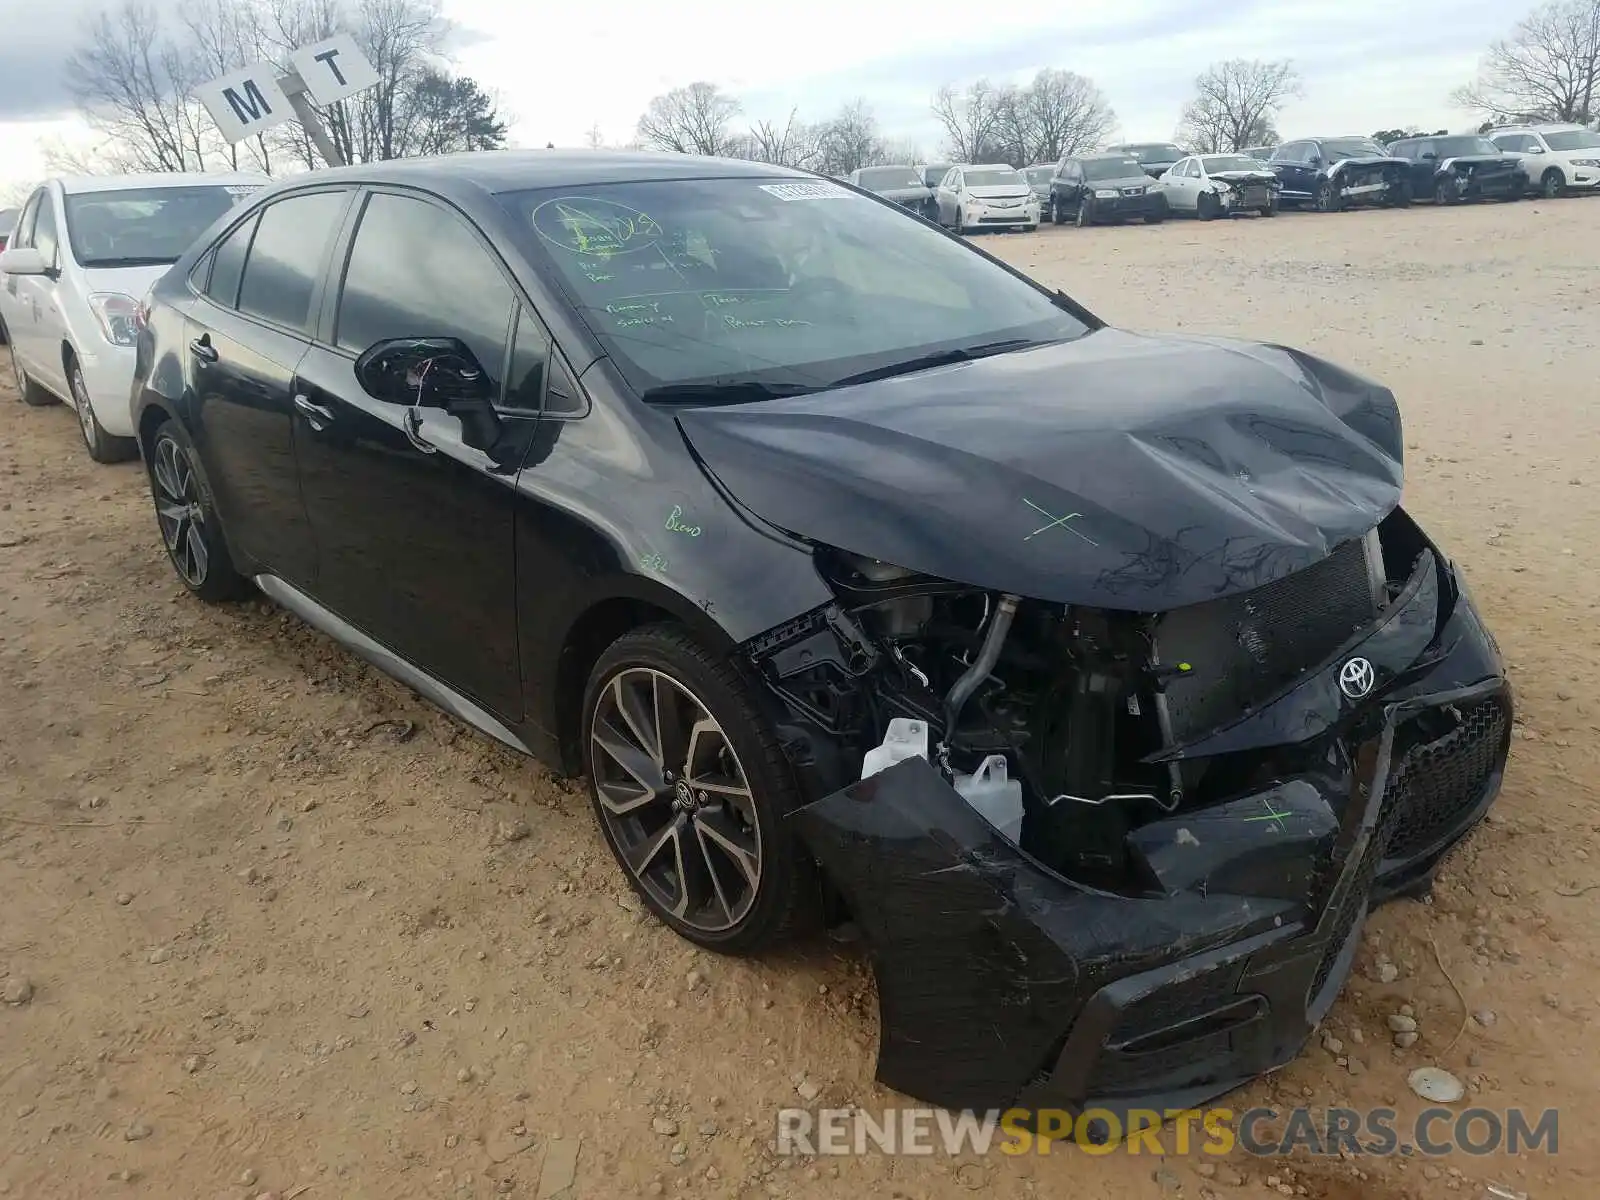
{"x":1207,"y":207}
{"x":1085,"y":213}
{"x":1057,"y":215}
{"x":1155,"y":218}
{"x":188,"y":519}
{"x":1444,"y":193}
{"x":29,"y":392}
{"x":691,"y":790}
{"x":1271,"y":210}
{"x":102,"y":446}
{"x":1328,"y":199}
{"x":1551,"y":184}
{"x":961,"y":223}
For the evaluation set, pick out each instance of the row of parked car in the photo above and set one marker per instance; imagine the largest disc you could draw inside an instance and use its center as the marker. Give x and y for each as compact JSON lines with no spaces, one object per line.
{"x":1151,"y":180}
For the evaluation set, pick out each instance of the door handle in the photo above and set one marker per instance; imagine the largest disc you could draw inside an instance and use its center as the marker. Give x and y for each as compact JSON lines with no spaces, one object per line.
{"x":318,"y":417}
{"x":411,"y":426}
{"x":202,"y":348}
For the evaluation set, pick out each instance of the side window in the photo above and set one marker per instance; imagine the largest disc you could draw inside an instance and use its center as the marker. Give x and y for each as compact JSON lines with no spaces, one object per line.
{"x":45,"y":240}
{"x":1402,"y":150}
{"x":227,"y":265}
{"x":22,"y":235}
{"x":408,"y":256}
{"x":288,"y":256}
{"x":538,"y":382}
{"x":1422,"y":150}
{"x":1192,"y":170}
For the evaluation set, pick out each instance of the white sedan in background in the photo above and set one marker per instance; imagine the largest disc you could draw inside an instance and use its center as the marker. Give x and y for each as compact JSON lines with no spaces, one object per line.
{"x":988,"y":196}
{"x":1219,"y":185}
{"x":82,"y":256}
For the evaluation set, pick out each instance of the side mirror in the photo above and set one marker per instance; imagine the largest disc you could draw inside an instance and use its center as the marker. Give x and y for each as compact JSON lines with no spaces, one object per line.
{"x":24,"y":260}
{"x":424,"y":373}
{"x":1530,"y":150}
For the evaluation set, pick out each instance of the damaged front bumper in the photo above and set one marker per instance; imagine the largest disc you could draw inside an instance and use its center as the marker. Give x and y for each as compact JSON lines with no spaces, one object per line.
{"x":1001,"y":982}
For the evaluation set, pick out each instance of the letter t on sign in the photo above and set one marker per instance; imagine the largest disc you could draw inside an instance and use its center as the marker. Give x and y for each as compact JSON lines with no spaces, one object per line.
{"x":333,"y":69}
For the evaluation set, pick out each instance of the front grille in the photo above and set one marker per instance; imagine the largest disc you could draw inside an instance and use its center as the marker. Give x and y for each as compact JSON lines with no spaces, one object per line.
{"x":1437,"y":783}
{"x":1244,"y":648}
{"x":1354,"y":900}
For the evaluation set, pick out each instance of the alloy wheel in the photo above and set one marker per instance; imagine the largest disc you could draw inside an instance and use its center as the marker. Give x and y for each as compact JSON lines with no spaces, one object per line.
{"x":675,"y":799}
{"x":80,"y":403}
{"x":1550,"y":185}
{"x":179,"y":511}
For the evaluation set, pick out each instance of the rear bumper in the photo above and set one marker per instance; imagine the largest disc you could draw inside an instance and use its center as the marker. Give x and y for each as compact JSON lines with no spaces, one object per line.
{"x":1002,"y":983}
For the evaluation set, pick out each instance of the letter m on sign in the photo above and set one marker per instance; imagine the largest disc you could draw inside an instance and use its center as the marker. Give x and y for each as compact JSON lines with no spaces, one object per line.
{"x":249,"y":107}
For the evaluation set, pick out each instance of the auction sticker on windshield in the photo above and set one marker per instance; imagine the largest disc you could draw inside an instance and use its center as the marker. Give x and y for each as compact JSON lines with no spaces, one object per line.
{"x":806,"y":191}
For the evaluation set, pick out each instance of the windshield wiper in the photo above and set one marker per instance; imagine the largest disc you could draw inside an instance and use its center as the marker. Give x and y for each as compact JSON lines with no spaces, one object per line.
{"x":939,"y":358}
{"x":724,"y":391}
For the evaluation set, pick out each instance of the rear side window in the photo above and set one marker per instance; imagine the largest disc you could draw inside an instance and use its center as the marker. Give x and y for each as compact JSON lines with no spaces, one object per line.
{"x":287,"y":257}
{"x":227,"y":265}
{"x":417,"y":270}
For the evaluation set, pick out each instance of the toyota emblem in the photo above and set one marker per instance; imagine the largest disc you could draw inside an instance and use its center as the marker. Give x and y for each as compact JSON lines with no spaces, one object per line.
{"x":1356,"y":678}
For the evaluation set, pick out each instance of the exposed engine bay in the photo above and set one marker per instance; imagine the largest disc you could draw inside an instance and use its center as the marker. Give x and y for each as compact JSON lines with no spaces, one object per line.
{"x":1088,"y":710}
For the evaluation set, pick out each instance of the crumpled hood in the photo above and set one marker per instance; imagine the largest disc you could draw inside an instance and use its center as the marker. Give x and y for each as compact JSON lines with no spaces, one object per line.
{"x":1001,"y":191}
{"x":1368,"y":160}
{"x":1118,"y":470}
{"x":1245,"y":176}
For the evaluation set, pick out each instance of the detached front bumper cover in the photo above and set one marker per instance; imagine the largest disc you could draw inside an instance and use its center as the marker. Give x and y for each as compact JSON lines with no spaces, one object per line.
{"x":1002,"y":983}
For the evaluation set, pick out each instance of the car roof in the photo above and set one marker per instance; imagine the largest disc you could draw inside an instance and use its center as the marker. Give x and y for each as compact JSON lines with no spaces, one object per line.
{"x":519,"y":170}
{"x":1144,"y":145}
{"x":74,"y":184}
{"x":988,"y":167}
{"x":1553,"y":127}
{"x":1101,"y":154}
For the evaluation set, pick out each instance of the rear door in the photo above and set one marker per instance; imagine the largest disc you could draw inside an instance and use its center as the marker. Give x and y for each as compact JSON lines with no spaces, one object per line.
{"x":47,"y":293}
{"x":414,"y":515}
{"x":16,"y":301}
{"x":260,"y":294}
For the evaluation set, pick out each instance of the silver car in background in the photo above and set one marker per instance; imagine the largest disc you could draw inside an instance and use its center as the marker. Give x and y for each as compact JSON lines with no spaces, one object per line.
{"x":903,"y":185}
{"x":1220,"y":185}
{"x":986,"y":196}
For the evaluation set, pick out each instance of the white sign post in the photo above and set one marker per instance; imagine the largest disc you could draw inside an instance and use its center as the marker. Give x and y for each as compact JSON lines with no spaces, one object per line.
{"x":252,"y":100}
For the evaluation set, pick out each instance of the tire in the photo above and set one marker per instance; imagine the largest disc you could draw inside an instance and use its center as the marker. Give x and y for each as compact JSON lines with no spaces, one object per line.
{"x":960,"y":225}
{"x":1443,"y":193}
{"x":29,"y":392}
{"x":186,"y":517}
{"x":1271,"y":210}
{"x":724,"y":909}
{"x":1327,"y":198}
{"x":1057,"y":217}
{"x":1154,"y":218}
{"x":5,"y":338}
{"x":103,"y":447}
{"x":1207,"y":207}
{"x":1552,"y":183}
{"x":1085,"y":216}
{"x":1401,"y":197}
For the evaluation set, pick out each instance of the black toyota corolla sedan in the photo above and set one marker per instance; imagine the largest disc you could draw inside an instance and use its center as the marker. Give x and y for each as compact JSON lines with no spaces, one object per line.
{"x":1099,"y":677}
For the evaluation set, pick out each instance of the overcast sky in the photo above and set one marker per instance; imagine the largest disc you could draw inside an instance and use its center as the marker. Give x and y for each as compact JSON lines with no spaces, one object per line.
{"x":1367,"y":64}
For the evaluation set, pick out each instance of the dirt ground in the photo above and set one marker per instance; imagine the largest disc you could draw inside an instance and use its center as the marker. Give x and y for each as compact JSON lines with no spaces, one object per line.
{"x":287,"y":929}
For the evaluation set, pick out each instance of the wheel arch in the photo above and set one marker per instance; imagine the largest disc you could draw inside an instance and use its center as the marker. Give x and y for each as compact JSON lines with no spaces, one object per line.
{"x":633,"y":603}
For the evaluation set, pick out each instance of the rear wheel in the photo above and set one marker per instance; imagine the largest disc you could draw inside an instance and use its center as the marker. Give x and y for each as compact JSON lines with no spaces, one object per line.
{"x":188,"y":519}
{"x":1207,"y":207}
{"x":1551,"y":183}
{"x":103,"y":447}
{"x":691,"y":791}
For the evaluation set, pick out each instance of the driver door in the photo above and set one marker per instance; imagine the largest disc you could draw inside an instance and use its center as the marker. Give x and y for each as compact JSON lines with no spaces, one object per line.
{"x":412,"y":510}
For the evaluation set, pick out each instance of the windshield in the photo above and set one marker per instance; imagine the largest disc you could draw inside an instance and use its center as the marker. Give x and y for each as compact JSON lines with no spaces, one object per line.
{"x":1229,"y":162}
{"x":1037,"y":175}
{"x":775,"y":281}
{"x":992,"y":177}
{"x":1156,"y":152}
{"x":145,"y":226}
{"x":1336,"y":148}
{"x":1452,"y":147}
{"x":890,"y":177}
{"x":1111,"y":168}
{"x":1573,"y":139}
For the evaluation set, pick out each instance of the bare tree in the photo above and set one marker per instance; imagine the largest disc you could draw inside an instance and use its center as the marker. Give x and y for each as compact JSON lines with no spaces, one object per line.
{"x":792,"y":144}
{"x":1066,"y":114}
{"x":849,"y":140}
{"x":972,"y":120}
{"x":132,"y":83}
{"x":595,"y":139}
{"x":691,"y":120}
{"x":1236,"y":103}
{"x":223,"y":36}
{"x":1548,"y":69}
